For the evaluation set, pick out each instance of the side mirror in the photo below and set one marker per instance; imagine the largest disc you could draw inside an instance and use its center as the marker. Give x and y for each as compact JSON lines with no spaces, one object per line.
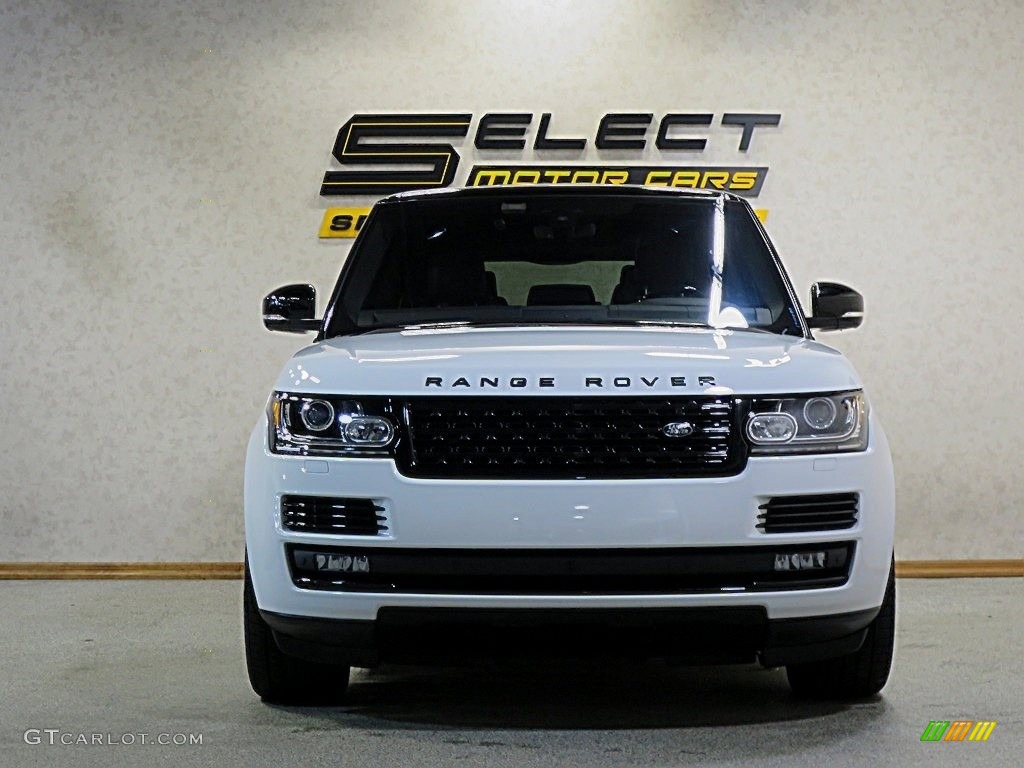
{"x":292,"y":309}
{"x":835,"y":307}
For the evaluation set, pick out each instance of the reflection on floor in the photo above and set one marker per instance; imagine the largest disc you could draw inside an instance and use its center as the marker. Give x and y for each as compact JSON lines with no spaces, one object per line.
{"x":116,"y":658}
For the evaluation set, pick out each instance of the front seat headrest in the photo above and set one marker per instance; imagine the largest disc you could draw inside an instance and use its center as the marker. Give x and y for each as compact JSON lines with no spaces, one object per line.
{"x":560,"y":294}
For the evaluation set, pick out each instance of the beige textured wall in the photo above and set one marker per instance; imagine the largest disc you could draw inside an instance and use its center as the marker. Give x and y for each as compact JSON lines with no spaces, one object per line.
{"x":151,"y":192}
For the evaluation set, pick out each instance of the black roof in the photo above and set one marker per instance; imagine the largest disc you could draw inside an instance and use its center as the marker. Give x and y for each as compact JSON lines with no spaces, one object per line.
{"x":549,"y":190}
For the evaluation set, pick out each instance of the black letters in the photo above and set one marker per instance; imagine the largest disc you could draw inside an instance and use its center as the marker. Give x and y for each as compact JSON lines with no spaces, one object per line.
{"x":748,"y":122}
{"x":341,"y":223}
{"x":351,"y":148}
{"x":664,"y":142}
{"x":522,"y":382}
{"x":543,"y":142}
{"x":626,"y":124}
{"x":381,"y":153}
{"x":502,"y":125}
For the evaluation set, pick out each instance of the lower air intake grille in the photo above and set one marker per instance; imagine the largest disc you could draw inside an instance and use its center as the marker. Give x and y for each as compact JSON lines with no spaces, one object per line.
{"x":326,"y":514}
{"x":803,"y":514}
{"x":565,"y":437}
{"x":644,"y":571}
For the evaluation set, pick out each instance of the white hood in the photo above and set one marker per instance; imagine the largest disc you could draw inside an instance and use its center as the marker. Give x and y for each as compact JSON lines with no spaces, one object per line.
{"x":558,"y":360}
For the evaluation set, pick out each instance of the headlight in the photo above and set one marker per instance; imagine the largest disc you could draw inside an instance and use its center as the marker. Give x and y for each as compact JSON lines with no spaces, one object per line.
{"x":808,"y":424}
{"x":330,"y":425}
{"x":317,"y":415}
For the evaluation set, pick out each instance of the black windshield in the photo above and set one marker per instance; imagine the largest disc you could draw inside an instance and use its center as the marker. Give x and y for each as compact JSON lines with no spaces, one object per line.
{"x":581,"y":258}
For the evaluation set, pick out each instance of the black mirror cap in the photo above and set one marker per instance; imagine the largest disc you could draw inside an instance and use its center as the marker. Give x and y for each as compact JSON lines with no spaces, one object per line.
{"x":292,"y":309}
{"x":835,"y":307}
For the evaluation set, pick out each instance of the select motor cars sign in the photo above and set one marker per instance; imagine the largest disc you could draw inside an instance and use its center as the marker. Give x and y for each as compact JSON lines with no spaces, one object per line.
{"x":379,"y":154}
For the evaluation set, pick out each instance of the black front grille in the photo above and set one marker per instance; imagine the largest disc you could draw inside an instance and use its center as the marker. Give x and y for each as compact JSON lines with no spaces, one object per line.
{"x":802,"y":514}
{"x":326,"y":514}
{"x":564,"y":437}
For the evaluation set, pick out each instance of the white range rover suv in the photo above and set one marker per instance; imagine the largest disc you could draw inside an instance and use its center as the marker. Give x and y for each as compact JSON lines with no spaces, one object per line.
{"x":567,"y":421}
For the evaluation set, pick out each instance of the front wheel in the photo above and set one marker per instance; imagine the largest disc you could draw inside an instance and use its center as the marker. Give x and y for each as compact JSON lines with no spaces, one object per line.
{"x":279,"y":678}
{"x":859,"y":674}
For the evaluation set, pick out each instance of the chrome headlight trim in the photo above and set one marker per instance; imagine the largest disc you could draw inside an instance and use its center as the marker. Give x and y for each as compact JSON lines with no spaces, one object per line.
{"x":848,"y":430}
{"x":290,"y":434}
{"x":304,"y":414}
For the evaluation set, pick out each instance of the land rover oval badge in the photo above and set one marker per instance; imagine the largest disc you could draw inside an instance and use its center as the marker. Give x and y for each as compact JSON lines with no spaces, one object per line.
{"x":677,"y":429}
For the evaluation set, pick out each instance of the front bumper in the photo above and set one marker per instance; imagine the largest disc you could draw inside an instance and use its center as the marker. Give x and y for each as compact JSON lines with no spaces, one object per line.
{"x":653,"y":514}
{"x":712,"y":635}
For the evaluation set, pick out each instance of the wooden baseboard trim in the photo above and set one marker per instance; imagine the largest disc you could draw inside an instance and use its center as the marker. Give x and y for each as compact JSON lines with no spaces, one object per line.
{"x":120,"y":571}
{"x":905,"y":569}
{"x":958,"y":569}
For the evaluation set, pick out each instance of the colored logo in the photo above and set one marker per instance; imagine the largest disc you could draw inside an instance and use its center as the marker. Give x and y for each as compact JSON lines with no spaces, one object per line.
{"x":379,"y":154}
{"x":958,"y":730}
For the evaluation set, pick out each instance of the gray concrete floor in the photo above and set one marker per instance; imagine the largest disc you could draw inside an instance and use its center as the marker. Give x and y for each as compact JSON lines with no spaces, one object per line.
{"x":124,"y":657}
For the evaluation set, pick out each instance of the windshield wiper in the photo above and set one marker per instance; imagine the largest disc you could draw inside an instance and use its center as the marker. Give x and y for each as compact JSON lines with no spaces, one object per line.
{"x":708,"y":326}
{"x":435,"y":324}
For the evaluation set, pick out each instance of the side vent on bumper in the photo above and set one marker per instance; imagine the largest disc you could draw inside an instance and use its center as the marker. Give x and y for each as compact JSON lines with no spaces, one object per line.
{"x":806,"y":514}
{"x":326,"y":514}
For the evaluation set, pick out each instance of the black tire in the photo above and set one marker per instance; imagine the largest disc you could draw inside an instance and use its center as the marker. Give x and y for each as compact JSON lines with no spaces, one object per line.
{"x":857,"y":675}
{"x":278,"y":678}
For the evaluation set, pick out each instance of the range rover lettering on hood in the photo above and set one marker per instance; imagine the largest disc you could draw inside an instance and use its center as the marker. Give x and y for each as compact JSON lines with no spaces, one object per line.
{"x":521,"y":382}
